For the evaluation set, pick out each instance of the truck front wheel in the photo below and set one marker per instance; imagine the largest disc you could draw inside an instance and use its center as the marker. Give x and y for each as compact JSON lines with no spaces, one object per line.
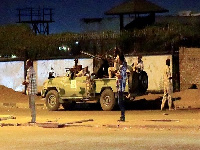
{"x":107,"y":100}
{"x":52,"y":100}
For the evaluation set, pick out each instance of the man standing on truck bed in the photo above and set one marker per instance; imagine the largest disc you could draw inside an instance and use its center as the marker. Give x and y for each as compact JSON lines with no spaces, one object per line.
{"x":121,"y":83}
{"x":112,"y":70}
{"x":138,"y":66}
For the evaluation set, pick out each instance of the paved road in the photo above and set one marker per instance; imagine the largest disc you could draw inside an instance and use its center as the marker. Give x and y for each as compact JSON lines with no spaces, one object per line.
{"x":147,"y":129}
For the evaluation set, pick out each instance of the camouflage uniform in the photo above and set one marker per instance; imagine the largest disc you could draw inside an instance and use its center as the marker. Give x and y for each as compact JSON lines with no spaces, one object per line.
{"x":113,"y":69}
{"x":138,"y":66}
{"x":168,"y":89}
{"x":83,"y":72}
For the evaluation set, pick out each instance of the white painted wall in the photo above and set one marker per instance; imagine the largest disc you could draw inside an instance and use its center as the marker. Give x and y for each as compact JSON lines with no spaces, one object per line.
{"x":43,"y":67}
{"x":154,"y":67}
{"x":12,"y":73}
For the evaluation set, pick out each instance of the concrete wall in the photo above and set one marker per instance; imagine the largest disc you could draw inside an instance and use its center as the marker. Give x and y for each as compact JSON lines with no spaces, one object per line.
{"x":113,"y":24}
{"x":106,"y":24}
{"x":154,"y":66}
{"x":12,"y":73}
{"x":189,"y":60}
{"x":44,"y":66}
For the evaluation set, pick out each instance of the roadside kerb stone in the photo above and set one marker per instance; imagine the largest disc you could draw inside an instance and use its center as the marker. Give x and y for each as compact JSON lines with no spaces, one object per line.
{"x":22,"y":105}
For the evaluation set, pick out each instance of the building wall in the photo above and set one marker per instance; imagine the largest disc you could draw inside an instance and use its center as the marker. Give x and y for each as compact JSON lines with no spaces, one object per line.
{"x":107,"y":24}
{"x":12,"y":73}
{"x":43,"y":67}
{"x":178,"y":19}
{"x":113,"y":23}
{"x":154,"y":67}
{"x":189,"y":60}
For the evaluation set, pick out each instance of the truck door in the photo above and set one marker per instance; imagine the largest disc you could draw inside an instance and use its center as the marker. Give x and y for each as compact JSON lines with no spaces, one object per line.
{"x":78,"y":87}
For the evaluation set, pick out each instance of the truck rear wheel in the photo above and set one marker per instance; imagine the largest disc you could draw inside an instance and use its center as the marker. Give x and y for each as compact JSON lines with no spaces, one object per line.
{"x":143,"y":82}
{"x":138,"y":82}
{"x":133,"y":82}
{"x":107,"y":100}
{"x":52,"y":100}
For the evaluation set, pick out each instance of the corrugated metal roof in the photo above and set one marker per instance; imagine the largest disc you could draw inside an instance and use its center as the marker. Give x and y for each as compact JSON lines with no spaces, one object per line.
{"x":136,"y":7}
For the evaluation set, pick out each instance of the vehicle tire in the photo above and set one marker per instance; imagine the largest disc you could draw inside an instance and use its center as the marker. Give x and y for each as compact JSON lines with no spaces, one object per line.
{"x":143,"y":82}
{"x":133,"y":82}
{"x":52,"y":100}
{"x":69,"y":105}
{"x":107,"y":100}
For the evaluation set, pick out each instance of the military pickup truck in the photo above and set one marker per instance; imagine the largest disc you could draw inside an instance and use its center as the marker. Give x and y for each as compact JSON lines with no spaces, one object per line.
{"x":69,"y":90}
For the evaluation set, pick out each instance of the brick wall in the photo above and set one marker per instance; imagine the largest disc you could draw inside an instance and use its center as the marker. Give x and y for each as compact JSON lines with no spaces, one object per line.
{"x":189,"y":64}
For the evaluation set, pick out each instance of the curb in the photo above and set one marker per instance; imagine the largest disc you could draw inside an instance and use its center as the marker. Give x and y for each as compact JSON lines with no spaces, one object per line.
{"x":22,"y":105}
{"x":157,"y":127}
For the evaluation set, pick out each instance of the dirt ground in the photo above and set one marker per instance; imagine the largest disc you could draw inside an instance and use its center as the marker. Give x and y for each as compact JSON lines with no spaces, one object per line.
{"x":144,"y":129}
{"x":184,"y":99}
{"x":8,"y":95}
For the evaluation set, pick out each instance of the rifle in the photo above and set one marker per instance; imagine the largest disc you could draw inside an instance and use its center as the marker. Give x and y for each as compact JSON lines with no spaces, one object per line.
{"x":110,"y":58}
{"x":91,"y":55}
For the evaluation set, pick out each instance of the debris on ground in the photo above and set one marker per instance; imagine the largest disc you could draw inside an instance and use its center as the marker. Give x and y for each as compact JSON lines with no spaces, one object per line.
{"x":47,"y":124}
{"x":164,"y":120}
{"x":6,"y":117}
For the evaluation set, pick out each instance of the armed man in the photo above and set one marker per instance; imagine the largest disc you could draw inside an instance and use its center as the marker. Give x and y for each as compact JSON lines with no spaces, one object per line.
{"x":168,"y":89}
{"x":138,"y":66}
{"x":121,"y":77}
{"x":113,"y":70}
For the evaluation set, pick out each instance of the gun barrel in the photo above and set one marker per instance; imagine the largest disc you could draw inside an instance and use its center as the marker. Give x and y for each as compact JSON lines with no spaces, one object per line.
{"x":90,"y":55}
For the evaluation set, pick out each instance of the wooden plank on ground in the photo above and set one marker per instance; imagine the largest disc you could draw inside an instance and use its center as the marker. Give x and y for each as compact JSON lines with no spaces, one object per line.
{"x":6,"y":117}
{"x":81,"y":121}
{"x":50,"y":125}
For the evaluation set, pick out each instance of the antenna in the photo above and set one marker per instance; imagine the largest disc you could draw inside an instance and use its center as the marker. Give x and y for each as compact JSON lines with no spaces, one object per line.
{"x":37,"y":17}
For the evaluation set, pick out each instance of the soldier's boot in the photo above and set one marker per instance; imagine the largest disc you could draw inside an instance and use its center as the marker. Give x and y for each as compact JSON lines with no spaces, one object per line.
{"x":110,"y":74}
{"x":163,"y":102}
{"x":170,"y":102}
{"x":122,"y":119}
{"x":162,"y":107}
{"x":170,"y":106}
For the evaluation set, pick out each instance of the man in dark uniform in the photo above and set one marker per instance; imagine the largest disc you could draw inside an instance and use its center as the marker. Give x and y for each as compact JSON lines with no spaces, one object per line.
{"x":121,"y":77}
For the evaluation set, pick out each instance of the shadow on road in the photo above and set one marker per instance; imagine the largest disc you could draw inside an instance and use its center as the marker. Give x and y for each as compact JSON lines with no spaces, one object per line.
{"x":144,"y":104}
{"x":141,"y":104}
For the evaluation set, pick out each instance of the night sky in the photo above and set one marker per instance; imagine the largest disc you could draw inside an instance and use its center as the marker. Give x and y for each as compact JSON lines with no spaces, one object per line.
{"x":67,"y":13}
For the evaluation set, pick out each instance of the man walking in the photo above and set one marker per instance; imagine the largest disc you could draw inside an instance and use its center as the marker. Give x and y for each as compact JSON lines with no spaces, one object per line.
{"x":167,"y":78}
{"x":121,"y":84}
{"x":31,"y":88}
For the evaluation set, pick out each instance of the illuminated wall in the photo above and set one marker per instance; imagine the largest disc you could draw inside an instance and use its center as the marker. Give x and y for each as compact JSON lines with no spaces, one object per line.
{"x":44,"y":66}
{"x":154,"y":67}
{"x":12,"y":73}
